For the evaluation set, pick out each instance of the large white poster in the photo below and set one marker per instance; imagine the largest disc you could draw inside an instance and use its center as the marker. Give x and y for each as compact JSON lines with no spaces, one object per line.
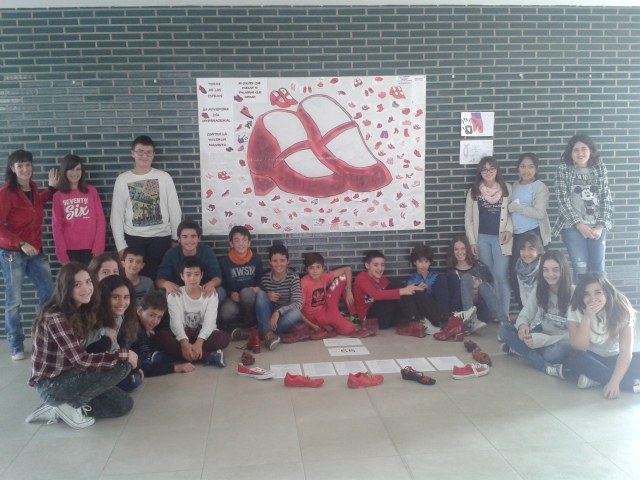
{"x":312,"y":154}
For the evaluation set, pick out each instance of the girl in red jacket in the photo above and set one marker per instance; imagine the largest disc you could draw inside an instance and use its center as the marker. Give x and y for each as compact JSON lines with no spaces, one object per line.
{"x":21,"y":213}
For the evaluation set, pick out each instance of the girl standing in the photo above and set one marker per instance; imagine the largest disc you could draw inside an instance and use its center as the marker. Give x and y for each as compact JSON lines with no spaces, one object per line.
{"x":70,"y":381}
{"x":601,"y":329}
{"x":540,"y":335}
{"x":488,"y":225}
{"x":21,"y":213}
{"x":585,"y":207}
{"x":528,"y":208}
{"x":78,"y":219}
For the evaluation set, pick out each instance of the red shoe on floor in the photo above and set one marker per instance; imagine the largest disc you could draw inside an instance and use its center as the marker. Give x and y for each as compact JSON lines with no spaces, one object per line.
{"x":298,"y":334}
{"x":302,"y":381}
{"x":414,"y":329}
{"x":371,"y":324}
{"x":323,"y":333}
{"x":454,"y":331}
{"x":470,"y":370}
{"x":247,"y":359}
{"x":481,"y":357}
{"x":362,"y":332}
{"x":364,"y":380}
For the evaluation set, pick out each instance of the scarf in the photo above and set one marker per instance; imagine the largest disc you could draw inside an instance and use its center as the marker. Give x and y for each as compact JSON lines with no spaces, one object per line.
{"x":236,"y":259}
{"x":527,"y":274}
{"x":491,"y":195}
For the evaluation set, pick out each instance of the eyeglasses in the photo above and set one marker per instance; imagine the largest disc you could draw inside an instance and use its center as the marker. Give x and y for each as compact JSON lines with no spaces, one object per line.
{"x":142,"y":153}
{"x":488,"y":170}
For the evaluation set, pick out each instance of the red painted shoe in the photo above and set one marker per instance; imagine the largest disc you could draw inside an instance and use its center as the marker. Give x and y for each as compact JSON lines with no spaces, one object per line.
{"x":278,"y":100}
{"x":284,"y":93}
{"x":454,"y":331}
{"x":364,"y":380}
{"x":302,"y":381}
{"x":298,"y":334}
{"x":414,"y":329}
{"x":471,"y":346}
{"x":371,"y":324}
{"x":247,"y":359}
{"x":362,"y":332}
{"x":409,"y":373}
{"x":481,"y":357}
{"x":323,"y":333}
{"x":316,"y":151}
{"x":470,"y":370}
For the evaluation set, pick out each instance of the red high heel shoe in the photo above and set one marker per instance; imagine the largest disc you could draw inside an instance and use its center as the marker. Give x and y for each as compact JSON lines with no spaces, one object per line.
{"x":454,"y":331}
{"x":253,"y":343}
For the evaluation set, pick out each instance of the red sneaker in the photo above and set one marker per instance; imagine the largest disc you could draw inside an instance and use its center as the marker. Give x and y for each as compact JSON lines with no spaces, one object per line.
{"x":254,"y":372}
{"x":364,"y":380}
{"x":470,"y":370}
{"x":302,"y":381}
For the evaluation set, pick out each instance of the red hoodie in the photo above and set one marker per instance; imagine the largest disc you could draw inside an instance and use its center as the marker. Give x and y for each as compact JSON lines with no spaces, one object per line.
{"x":20,"y":219}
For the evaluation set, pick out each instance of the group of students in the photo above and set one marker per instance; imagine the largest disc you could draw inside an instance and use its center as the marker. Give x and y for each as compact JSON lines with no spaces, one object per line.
{"x":212,"y":301}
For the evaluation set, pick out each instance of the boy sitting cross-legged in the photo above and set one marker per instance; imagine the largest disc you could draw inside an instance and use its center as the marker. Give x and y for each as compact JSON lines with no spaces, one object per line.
{"x":149,"y":312}
{"x":194,"y":335}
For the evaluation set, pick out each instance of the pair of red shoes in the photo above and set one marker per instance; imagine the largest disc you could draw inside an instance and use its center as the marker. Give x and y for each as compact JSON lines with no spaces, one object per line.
{"x":282,"y":98}
{"x":291,"y":380}
{"x":476,"y":353}
{"x":414,"y":329}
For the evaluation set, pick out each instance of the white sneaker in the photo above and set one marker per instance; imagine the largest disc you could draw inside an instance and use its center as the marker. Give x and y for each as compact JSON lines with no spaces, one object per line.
{"x":43,"y":412}
{"x":429,"y":328}
{"x":636,"y":388}
{"x":74,"y":417}
{"x":466,"y":315}
{"x":556,"y":371}
{"x":477,"y":325}
{"x":18,"y":356}
{"x":586,"y":382}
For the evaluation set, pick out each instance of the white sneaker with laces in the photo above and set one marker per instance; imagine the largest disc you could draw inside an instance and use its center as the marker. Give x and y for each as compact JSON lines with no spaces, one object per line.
{"x":555,"y":371}
{"x":586,"y":382}
{"x":429,"y":328}
{"x":43,"y":412}
{"x":74,"y":417}
{"x":466,"y":315}
{"x":477,"y":324}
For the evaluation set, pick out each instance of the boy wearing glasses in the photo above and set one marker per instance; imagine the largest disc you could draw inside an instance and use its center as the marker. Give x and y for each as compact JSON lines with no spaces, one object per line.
{"x":145,"y":211}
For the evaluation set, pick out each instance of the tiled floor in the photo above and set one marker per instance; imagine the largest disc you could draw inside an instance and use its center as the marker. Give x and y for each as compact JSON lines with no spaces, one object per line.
{"x":513,"y":423}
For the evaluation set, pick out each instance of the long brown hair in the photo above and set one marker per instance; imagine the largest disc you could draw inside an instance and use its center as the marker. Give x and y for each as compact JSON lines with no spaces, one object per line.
{"x":451,"y":257}
{"x":69,"y":162}
{"x":618,"y":309}
{"x":81,"y":319}
{"x":492,"y":162}
{"x":564,"y":285}
{"x":105,"y":319}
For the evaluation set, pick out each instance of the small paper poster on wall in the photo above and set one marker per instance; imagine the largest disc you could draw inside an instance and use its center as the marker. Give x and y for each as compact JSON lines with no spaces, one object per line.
{"x":471,"y":151}
{"x":476,"y":124}
{"x":294,"y":155}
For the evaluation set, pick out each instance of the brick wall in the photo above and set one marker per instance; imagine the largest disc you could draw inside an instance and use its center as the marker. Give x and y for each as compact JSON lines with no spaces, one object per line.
{"x":88,"y":80}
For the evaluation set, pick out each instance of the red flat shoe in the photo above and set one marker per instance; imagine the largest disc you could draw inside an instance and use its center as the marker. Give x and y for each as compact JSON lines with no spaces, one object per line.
{"x":481,"y":357}
{"x":247,"y":359}
{"x":364,"y":380}
{"x":471,"y":346}
{"x":414,"y":329}
{"x":302,"y":381}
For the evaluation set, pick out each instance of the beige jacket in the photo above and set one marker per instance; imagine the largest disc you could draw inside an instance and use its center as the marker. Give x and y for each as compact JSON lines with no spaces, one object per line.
{"x":472,"y":220}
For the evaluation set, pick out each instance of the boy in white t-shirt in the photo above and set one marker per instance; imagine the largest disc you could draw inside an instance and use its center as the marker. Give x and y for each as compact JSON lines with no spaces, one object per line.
{"x":194,"y":335}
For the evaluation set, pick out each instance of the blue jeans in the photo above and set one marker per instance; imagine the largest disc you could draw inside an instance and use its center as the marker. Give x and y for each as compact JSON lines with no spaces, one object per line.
{"x":540,"y":358}
{"x":498,"y":264}
{"x":600,"y":369}
{"x":586,"y":255}
{"x":264,"y":310}
{"x":486,"y":292}
{"x":15,"y":265}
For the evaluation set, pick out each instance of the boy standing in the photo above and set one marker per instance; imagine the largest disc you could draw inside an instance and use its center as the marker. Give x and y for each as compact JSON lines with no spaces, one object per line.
{"x":150,"y":311}
{"x":133,"y":263}
{"x":241,"y":274}
{"x":145,"y":210}
{"x":194,"y":335}
{"x":374,"y":298}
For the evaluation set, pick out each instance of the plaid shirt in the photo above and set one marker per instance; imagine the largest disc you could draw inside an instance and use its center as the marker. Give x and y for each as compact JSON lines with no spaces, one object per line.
{"x":567,"y":215}
{"x":56,"y":349}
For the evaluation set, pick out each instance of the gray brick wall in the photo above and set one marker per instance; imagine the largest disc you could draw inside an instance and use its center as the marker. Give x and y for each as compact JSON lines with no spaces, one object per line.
{"x":88,"y":80}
